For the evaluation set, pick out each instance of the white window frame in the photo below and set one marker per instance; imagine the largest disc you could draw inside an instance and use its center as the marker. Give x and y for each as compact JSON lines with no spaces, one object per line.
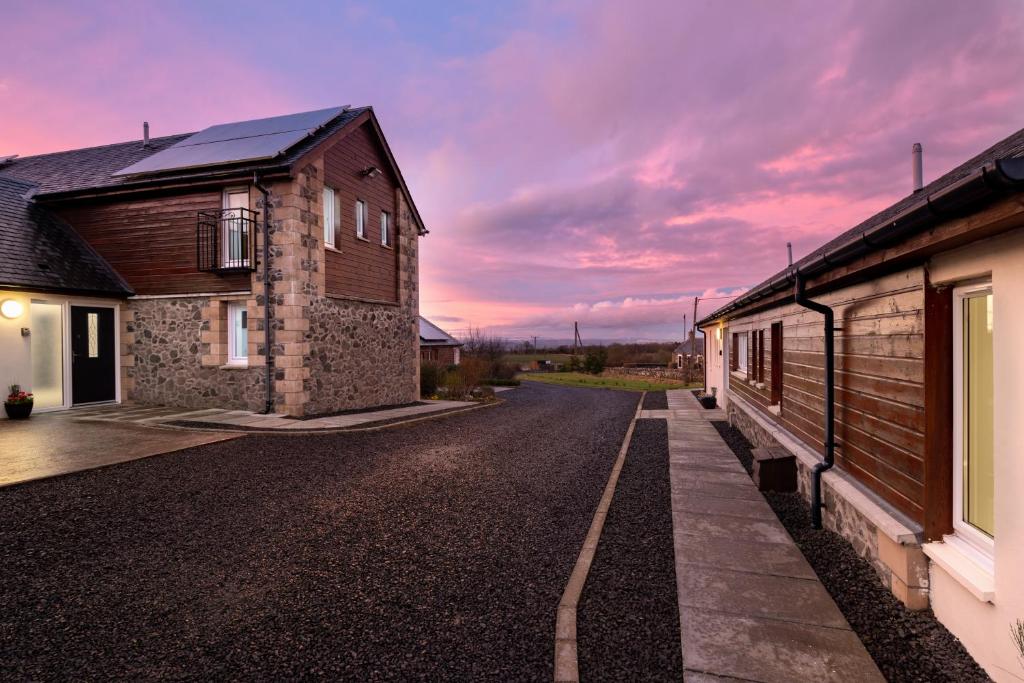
{"x":982,"y":545}
{"x":225,"y":255}
{"x":362,"y":214}
{"x":742,"y":351}
{"x":385,"y":229}
{"x":330,"y":215}
{"x":233,"y":310}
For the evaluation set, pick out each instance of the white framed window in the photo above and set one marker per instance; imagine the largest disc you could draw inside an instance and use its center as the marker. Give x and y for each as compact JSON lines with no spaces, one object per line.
{"x":385,"y":228}
{"x":973,"y":419}
{"x":741,"y":351}
{"x":238,"y":334}
{"x":362,"y":214}
{"x":330,"y":215}
{"x":234,"y":232}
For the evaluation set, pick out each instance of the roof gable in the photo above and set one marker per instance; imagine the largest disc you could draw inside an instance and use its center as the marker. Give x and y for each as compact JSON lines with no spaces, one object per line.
{"x":431,"y":334}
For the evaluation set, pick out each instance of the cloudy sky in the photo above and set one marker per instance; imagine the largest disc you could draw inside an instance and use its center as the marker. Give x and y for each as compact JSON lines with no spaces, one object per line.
{"x":593,"y":161}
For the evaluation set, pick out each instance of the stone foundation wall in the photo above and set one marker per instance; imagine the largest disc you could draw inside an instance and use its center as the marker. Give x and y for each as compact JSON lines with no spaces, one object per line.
{"x":162,"y":359}
{"x":901,"y":568}
{"x":360,"y":355}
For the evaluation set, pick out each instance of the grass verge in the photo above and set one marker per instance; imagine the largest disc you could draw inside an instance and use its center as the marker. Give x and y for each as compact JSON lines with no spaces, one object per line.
{"x":580,"y":379}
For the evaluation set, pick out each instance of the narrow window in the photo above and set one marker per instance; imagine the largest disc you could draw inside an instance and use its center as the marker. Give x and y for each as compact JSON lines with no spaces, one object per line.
{"x":741,"y":353}
{"x":385,"y":228}
{"x":235,"y":229}
{"x":973,"y":420}
{"x":330,"y":216}
{"x":776,"y":363}
{"x":238,"y":334}
{"x":361,"y":216}
{"x":760,"y":356}
{"x":93,"y":322}
{"x":734,"y":352}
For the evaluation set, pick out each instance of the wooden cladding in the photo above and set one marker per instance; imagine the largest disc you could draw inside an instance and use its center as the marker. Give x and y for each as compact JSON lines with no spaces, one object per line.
{"x":880,"y":381}
{"x":734,"y":352}
{"x":361,"y":266}
{"x":151,"y":241}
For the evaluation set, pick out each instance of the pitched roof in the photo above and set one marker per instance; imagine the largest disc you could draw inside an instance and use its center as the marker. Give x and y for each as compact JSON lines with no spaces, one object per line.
{"x":42,"y":252}
{"x":432,"y":335}
{"x":1011,"y":147}
{"x":93,"y":168}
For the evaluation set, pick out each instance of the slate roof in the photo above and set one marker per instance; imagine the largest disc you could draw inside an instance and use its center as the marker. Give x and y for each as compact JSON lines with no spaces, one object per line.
{"x":93,"y":167}
{"x":1008,"y":148}
{"x":41,"y":252}
{"x":432,"y":335}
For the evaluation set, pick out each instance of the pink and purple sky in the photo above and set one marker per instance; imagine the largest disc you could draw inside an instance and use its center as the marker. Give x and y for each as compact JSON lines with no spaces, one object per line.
{"x":593,"y":161}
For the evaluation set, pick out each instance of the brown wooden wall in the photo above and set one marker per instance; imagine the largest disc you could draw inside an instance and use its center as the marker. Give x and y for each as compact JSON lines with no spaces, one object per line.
{"x":151,"y":241}
{"x":361,"y":268}
{"x":879,"y":381}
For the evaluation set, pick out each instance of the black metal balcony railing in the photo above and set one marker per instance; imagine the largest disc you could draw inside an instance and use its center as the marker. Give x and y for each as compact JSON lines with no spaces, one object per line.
{"x":226,"y":240}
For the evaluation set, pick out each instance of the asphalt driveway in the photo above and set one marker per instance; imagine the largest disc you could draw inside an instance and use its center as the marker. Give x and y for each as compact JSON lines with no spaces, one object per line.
{"x":436,"y":550}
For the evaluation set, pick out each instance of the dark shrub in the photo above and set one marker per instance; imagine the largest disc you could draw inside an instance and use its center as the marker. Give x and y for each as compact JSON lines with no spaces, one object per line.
{"x":498,"y":382}
{"x":430,"y":378}
{"x":595,"y":361}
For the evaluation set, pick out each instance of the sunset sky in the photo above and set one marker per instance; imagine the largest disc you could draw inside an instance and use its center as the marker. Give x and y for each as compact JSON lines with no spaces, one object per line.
{"x":593,"y":161}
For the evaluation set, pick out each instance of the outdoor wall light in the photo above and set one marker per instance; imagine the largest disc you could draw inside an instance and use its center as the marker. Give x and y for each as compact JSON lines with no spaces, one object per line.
{"x":718,"y":333}
{"x":371,"y":172}
{"x":11,"y":309}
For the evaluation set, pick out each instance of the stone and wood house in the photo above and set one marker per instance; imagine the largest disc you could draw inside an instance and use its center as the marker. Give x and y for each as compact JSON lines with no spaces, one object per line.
{"x":437,"y":346}
{"x":141,"y":271}
{"x":928,"y":387}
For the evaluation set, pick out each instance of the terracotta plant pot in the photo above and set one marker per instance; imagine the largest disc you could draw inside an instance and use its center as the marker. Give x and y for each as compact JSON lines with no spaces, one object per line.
{"x":18,"y":411}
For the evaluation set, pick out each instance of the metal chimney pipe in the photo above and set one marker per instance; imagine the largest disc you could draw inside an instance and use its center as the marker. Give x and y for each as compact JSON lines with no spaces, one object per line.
{"x":916,"y":153}
{"x":145,"y":133}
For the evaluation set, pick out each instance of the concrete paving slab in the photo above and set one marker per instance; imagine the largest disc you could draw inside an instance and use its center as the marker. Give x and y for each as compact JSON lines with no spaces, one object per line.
{"x":765,"y":596}
{"x":46,"y":445}
{"x":713,"y":477}
{"x":734,"y":507}
{"x":777,"y":559}
{"x":709,"y":525}
{"x":773,"y":651}
{"x":714,"y":490}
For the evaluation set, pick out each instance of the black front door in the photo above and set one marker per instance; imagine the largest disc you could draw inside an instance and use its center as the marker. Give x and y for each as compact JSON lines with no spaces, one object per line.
{"x":92,"y":354}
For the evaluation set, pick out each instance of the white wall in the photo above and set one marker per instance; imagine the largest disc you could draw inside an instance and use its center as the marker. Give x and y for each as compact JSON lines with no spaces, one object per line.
{"x":984,"y":627}
{"x":15,"y":357}
{"x":716,"y":362}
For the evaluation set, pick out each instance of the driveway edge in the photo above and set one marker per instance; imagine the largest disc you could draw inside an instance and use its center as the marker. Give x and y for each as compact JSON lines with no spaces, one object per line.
{"x":567,"y":668}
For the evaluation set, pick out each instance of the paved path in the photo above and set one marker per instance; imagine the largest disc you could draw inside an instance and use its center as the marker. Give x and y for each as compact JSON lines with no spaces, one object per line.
{"x":156,"y":415}
{"x":750,"y":606}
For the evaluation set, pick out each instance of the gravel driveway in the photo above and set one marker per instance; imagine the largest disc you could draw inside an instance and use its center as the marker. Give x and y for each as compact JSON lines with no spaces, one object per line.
{"x":438,"y":550}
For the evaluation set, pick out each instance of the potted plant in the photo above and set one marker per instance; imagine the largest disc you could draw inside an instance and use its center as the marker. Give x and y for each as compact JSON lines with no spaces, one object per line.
{"x":18,"y":405}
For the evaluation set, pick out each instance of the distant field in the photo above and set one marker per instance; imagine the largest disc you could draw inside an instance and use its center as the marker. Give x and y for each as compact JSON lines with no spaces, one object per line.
{"x":579,"y":379}
{"x":521,"y":358}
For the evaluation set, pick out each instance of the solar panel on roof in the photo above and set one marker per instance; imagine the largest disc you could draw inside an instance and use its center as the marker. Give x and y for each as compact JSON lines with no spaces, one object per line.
{"x":236,"y":142}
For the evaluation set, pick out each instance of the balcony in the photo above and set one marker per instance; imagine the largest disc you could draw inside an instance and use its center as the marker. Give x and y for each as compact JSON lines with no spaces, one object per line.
{"x":226,"y":240}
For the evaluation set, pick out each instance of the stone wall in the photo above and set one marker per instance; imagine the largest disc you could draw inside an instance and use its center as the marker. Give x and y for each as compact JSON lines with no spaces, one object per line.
{"x":162,"y":359}
{"x":358,"y":356}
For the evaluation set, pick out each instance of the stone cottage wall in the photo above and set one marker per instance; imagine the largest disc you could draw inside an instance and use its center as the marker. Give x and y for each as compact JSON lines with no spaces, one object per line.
{"x":163,"y":351}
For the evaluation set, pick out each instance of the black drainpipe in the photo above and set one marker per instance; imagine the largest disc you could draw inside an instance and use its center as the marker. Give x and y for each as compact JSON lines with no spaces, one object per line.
{"x":269,"y":358}
{"x":830,"y":397}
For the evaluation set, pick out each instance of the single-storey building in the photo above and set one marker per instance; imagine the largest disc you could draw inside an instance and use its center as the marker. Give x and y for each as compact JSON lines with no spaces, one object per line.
{"x":917,"y":313}
{"x":267,"y":265}
{"x":437,"y":346}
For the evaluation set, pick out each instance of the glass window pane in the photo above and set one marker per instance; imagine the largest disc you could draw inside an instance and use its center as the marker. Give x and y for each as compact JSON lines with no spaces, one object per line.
{"x":329,"y":216}
{"x":47,"y":346}
{"x":979,"y":400}
{"x":94,"y":335}
{"x":239,"y":333}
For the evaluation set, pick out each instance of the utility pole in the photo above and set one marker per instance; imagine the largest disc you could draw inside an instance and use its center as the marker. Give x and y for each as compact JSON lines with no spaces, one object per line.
{"x":577,"y":343}
{"x":693,"y":342}
{"x":535,"y":343}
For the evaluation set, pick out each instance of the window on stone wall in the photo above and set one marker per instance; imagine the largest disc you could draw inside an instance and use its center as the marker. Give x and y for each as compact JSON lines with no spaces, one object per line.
{"x":238,"y":334}
{"x":385,"y":228}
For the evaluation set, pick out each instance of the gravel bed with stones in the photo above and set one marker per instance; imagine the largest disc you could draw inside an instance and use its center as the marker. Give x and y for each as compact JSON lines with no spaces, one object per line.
{"x":628,"y":616}
{"x":906,"y":645}
{"x":438,"y":551}
{"x":656,"y":400}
